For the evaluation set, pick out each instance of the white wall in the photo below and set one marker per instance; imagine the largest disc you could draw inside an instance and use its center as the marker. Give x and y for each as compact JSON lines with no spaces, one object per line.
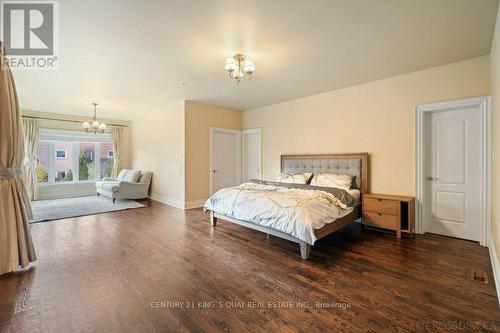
{"x":495,"y":140}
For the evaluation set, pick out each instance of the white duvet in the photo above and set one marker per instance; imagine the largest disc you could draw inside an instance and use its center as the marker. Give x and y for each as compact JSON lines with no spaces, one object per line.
{"x":297,"y":212}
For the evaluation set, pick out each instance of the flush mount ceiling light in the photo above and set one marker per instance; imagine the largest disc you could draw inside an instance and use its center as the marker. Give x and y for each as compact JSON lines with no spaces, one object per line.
{"x":239,"y":68}
{"x":95,"y":126}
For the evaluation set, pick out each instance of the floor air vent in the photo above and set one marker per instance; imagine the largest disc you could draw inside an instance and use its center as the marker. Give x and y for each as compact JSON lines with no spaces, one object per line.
{"x":479,"y":276}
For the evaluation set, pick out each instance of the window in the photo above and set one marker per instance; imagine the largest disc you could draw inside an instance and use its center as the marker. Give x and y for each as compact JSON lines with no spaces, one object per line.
{"x":68,"y":156}
{"x":63,"y":164}
{"x":61,"y":153}
{"x":61,"y":175}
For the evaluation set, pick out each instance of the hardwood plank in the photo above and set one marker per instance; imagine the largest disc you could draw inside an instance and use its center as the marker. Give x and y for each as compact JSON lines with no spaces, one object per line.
{"x":109,"y":272}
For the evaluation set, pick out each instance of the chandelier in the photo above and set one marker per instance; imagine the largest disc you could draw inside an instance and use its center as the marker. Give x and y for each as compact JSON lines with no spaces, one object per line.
{"x":239,"y":67}
{"x":95,"y":126}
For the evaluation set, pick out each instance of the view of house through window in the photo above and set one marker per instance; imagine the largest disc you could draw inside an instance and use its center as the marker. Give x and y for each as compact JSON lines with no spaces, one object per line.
{"x":106,"y":159}
{"x":63,"y":158}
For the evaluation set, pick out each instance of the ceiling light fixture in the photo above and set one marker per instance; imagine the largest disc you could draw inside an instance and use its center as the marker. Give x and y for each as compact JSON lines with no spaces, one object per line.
{"x":94,"y":126}
{"x":239,"y":67}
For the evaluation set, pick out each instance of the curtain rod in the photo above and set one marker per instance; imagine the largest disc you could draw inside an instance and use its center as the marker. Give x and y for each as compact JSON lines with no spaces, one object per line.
{"x":68,"y":121}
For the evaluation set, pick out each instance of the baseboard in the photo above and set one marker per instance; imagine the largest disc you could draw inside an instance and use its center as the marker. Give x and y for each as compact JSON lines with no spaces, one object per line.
{"x":194,"y":204}
{"x":495,"y":266}
{"x":168,"y":201}
{"x":178,"y":203}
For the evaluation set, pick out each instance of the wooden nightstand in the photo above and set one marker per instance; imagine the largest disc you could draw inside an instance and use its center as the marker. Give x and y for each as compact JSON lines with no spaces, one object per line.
{"x":393,"y":212}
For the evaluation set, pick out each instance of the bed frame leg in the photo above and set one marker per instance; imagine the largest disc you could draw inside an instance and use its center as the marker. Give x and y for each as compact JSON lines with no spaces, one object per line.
{"x":304,"y":250}
{"x":213,"y":219}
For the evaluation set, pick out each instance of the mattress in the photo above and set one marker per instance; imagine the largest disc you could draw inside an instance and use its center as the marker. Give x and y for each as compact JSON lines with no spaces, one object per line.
{"x":294,"y":211}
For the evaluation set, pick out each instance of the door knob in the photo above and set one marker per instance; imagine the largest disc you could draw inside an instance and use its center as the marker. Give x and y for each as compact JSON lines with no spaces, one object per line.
{"x":432,"y":178}
{"x":214,"y":171}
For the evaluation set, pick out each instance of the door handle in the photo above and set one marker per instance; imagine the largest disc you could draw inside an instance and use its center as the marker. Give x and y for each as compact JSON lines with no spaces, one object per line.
{"x":214,"y":171}
{"x":432,"y":178}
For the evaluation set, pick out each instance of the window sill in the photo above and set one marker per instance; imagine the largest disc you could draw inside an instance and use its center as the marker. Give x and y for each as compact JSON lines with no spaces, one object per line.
{"x":83,"y":182}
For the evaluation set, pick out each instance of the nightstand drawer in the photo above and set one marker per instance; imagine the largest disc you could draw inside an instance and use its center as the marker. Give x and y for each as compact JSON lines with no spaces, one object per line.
{"x":380,"y":205}
{"x":380,"y":220}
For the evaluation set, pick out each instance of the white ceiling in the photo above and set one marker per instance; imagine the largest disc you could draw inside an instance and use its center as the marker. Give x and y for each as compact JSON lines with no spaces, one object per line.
{"x":132,"y":55}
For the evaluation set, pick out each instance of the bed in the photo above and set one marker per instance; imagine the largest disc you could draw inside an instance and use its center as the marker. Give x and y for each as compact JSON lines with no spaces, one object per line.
{"x":325,"y":210}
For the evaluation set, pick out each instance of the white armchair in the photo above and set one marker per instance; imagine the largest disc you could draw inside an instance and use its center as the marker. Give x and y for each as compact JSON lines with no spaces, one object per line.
{"x":130,"y":184}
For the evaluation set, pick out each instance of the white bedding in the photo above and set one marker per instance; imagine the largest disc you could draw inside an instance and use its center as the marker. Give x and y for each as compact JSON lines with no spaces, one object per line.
{"x":297,"y":212}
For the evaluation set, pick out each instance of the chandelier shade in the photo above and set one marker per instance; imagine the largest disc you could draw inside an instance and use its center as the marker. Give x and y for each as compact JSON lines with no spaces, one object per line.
{"x":239,"y":67}
{"x":95,"y":126}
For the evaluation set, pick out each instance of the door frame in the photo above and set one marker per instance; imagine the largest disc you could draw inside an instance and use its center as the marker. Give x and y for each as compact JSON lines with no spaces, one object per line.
{"x":483,"y":103}
{"x":238,"y":153}
{"x":243,"y":155}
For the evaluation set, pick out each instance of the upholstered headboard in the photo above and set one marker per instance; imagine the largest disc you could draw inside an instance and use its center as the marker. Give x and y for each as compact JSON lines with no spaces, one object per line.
{"x":355,"y":164}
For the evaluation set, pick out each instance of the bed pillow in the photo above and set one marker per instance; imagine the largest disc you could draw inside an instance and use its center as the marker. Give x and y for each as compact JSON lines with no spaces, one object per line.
{"x":332,"y":180}
{"x":294,"y":178}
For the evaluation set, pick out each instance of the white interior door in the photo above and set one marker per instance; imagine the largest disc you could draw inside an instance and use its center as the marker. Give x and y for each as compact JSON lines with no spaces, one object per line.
{"x":252,"y":154}
{"x":225,"y":159}
{"x":453,"y":202}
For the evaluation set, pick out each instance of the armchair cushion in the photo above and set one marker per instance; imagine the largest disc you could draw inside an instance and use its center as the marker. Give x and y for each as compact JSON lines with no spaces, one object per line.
{"x":122,"y":174}
{"x":146,"y":177}
{"x":107,"y":185}
{"x":132,"y":176}
{"x":111,"y":186}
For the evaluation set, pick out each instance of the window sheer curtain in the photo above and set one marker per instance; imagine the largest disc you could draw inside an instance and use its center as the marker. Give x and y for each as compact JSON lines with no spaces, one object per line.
{"x":16,"y":246}
{"x":31,"y":135}
{"x":117,"y":137}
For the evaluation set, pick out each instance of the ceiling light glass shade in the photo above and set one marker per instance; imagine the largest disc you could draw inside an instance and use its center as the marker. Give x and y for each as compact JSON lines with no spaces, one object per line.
{"x":95,"y":126}
{"x":249,"y":67}
{"x":230,"y":65}
{"x":239,"y":67}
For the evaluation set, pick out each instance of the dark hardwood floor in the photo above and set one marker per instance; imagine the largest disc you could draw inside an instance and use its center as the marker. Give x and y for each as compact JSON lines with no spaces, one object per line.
{"x":124,"y":272}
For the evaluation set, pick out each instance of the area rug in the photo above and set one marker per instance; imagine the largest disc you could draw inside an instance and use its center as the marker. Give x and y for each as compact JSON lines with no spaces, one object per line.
{"x":48,"y":210}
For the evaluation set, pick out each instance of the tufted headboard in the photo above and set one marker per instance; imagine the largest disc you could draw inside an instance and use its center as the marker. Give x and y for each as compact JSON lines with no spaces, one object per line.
{"x":352,"y":164}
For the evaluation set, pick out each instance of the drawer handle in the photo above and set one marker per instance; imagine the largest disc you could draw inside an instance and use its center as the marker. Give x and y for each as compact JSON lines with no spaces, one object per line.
{"x":379,"y":199}
{"x":379,"y":214}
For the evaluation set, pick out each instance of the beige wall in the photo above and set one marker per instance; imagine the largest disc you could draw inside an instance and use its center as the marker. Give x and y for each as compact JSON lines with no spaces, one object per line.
{"x":198,"y":120}
{"x":376,"y":117}
{"x":61,"y":125}
{"x":158,"y":146}
{"x":495,"y":113}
